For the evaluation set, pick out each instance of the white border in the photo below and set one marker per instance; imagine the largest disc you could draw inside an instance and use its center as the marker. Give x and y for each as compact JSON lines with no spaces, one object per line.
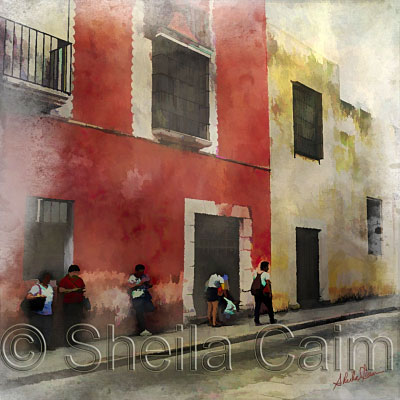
{"x":141,"y":81}
{"x":195,"y":206}
{"x":188,"y":46}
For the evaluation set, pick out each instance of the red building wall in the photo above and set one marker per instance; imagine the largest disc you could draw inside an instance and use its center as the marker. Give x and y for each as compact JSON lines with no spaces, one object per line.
{"x":242,"y":81}
{"x":103,"y":61}
{"x":128,"y":192}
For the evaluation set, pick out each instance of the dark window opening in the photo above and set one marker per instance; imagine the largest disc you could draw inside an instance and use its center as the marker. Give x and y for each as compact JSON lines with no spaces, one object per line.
{"x":374,"y":218}
{"x":180,"y":89}
{"x":307,"y":121}
{"x":48,"y":237}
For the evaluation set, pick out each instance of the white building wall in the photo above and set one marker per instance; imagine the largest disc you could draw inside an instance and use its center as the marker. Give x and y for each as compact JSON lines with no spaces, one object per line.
{"x":330,"y":195}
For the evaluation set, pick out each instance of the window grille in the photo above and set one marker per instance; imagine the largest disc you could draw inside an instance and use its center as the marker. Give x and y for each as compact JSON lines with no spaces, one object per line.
{"x":307,"y":120}
{"x":374,"y":218}
{"x":180,"y":89}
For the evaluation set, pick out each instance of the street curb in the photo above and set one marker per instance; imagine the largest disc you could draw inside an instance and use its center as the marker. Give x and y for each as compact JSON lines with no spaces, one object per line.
{"x":121,"y":361}
{"x":293,"y":327}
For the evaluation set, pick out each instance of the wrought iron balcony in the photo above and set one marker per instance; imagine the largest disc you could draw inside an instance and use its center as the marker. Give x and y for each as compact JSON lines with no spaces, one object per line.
{"x":35,"y":58}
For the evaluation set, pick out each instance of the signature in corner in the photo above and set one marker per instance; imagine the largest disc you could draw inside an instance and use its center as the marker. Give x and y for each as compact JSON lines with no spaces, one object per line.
{"x":360,"y":377}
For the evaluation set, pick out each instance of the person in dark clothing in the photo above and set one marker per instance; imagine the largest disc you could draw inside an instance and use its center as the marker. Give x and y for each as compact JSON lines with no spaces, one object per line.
{"x":215,"y":289}
{"x":74,"y":289}
{"x":264,"y":295}
{"x":140,"y":284}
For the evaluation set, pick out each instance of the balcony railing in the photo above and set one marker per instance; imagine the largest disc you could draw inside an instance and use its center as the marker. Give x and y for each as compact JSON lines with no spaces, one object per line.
{"x":33,"y":56}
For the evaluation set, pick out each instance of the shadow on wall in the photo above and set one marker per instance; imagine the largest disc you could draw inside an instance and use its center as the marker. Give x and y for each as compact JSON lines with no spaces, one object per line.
{"x":341,"y":295}
{"x":108,"y":294}
{"x":164,"y":318}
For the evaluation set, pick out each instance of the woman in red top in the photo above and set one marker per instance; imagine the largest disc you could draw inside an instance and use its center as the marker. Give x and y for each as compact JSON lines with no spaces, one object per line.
{"x":73,"y":288}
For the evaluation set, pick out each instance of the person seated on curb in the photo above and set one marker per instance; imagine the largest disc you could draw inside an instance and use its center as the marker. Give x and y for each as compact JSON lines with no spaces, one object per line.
{"x":227,"y":309}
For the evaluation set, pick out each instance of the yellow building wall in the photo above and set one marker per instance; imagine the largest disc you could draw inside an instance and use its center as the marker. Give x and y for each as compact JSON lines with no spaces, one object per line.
{"x":331,"y":195}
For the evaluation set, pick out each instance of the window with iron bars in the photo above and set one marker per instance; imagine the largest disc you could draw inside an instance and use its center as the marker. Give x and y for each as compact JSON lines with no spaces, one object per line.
{"x":52,"y":211}
{"x":34,"y":56}
{"x":307,"y":122}
{"x":180,"y":89}
{"x":48,"y":241}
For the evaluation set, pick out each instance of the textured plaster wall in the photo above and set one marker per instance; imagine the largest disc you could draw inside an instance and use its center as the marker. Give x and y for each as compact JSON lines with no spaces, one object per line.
{"x":129,"y":193}
{"x":242,"y":83}
{"x":103,"y":63}
{"x":330,"y":196}
{"x":128,"y":209}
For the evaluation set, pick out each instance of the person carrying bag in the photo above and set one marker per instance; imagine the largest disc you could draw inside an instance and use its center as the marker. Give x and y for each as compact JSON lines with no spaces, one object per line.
{"x":38,"y":305}
{"x":261,"y":290}
{"x":33,"y":304}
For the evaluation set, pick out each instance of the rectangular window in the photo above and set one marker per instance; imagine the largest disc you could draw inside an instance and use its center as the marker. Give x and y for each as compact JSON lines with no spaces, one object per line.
{"x":307,"y":122}
{"x":374,"y":218}
{"x":48,"y":237}
{"x":180,"y":89}
{"x":52,"y":211}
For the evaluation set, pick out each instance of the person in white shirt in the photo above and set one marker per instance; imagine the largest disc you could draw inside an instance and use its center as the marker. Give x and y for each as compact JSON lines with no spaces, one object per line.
{"x":42,"y":319}
{"x":264,"y":295}
{"x":215,"y":282}
{"x":140,"y":284}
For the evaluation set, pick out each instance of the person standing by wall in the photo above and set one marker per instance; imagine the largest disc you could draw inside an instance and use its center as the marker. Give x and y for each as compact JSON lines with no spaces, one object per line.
{"x":261,"y":290}
{"x":73,"y":288}
{"x":140,"y":284}
{"x":214,"y":283}
{"x":43,"y":319}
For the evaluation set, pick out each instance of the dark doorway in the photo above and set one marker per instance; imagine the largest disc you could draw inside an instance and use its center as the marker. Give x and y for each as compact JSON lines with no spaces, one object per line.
{"x":307,"y":261}
{"x":48,"y":237}
{"x":216,"y":250}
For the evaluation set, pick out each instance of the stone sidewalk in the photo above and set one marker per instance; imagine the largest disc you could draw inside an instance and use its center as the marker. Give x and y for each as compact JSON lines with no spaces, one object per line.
{"x":54,"y":365}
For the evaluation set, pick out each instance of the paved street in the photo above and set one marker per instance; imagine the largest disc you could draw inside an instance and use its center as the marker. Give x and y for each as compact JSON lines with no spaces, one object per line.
{"x":247,"y":379}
